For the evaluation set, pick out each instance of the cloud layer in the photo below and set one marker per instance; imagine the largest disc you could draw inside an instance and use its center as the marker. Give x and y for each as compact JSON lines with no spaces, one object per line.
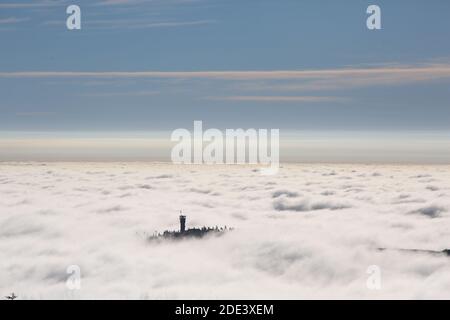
{"x":309,"y":232}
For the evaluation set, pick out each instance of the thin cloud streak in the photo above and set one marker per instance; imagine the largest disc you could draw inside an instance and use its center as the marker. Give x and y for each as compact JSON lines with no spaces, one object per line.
{"x":273,"y":81}
{"x":277,"y":98}
{"x":118,"y":2}
{"x":33,"y":114}
{"x":146,"y":25}
{"x":13,"y":20}
{"x":118,"y":94}
{"x":35,"y":4}
{"x":397,"y":73}
{"x":132,"y":24}
{"x":138,"y":2}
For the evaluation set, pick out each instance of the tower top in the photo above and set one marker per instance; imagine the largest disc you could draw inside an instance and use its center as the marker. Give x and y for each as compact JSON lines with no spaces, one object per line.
{"x":182,"y":223}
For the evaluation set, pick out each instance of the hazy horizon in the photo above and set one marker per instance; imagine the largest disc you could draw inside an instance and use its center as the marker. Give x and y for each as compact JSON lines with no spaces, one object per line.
{"x":427,"y":147}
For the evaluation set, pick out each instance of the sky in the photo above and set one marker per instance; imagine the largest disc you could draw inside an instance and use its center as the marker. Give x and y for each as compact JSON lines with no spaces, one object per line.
{"x":154,"y":66}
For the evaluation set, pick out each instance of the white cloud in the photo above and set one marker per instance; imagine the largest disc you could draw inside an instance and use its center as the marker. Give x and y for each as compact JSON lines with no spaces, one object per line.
{"x":96,"y":215}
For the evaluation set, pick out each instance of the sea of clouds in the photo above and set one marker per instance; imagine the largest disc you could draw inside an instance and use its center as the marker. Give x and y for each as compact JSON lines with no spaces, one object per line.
{"x":311,"y":231}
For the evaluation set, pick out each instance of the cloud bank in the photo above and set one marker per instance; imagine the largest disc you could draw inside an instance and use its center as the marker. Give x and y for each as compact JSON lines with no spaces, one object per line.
{"x":309,"y":232}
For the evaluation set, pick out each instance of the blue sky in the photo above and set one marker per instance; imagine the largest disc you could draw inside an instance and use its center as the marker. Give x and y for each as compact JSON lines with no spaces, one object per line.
{"x":140,"y":65}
